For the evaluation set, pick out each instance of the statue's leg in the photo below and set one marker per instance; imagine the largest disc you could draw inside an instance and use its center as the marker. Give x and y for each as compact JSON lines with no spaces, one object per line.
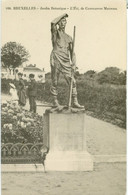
{"x":74,"y":96}
{"x":55,"y":78}
{"x":74,"y":93}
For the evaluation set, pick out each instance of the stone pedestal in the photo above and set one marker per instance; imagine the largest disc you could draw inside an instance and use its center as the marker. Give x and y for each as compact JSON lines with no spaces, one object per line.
{"x":65,"y":135}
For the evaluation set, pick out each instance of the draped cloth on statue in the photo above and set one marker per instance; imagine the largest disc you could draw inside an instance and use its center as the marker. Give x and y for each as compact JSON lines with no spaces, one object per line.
{"x":60,"y":56}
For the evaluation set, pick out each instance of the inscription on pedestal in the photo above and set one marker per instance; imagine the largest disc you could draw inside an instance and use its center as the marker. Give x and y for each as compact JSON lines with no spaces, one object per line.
{"x":68,"y":141}
{"x":67,"y":132}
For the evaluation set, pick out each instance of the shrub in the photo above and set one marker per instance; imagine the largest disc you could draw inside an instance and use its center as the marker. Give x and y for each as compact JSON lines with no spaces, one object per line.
{"x":20,"y":126}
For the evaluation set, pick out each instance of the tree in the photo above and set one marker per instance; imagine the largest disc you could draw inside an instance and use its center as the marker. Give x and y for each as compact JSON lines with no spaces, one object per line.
{"x":90,"y":73}
{"x":112,"y":75}
{"x":122,"y":77}
{"x":13,"y":55}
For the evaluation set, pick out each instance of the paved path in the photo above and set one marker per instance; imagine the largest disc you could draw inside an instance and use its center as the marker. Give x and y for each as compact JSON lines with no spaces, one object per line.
{"x":104,"y":138}
{"x":106,"y":179}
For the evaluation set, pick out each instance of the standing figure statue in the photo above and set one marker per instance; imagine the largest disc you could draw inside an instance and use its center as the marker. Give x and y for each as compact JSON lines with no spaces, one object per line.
{"x":62,"y":60}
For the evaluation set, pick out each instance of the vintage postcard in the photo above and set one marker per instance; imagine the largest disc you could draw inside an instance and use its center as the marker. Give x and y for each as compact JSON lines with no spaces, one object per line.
{"x":63,"y":97}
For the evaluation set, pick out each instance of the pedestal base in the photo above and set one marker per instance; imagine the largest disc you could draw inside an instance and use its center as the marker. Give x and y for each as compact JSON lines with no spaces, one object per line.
{"x":65,"y":136}
{"x":69,"y":161}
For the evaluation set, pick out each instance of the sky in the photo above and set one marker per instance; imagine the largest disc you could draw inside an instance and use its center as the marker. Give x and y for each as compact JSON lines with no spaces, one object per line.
{"x":100,"y":34}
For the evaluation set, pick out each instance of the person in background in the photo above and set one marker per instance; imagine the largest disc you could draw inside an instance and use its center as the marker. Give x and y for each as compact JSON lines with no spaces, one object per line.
{"x":13,"y":93}
{"x":32,"y":92}
{"x":21,"y":90}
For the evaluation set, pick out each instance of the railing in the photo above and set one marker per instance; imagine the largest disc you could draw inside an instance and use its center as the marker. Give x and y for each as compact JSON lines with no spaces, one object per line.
{"x":22,"y":153}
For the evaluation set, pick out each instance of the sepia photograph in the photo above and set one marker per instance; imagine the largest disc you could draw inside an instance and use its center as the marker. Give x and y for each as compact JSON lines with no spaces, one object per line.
{"x":63,"y":97}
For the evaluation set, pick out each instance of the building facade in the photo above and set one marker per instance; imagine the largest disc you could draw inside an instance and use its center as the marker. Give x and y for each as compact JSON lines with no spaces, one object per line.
{"x":30,"y":69}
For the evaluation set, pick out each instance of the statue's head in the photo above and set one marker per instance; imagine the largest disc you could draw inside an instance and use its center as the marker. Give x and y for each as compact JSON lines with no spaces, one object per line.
{"x":62,"y":23}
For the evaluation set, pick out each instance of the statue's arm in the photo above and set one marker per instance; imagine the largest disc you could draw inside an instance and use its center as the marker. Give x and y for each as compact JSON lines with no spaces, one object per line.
{"x":56,"y":20}
{"x":54,"y":26}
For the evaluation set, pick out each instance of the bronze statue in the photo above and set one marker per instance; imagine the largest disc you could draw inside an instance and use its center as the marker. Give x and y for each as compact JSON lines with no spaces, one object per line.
{"x":62,"y":60}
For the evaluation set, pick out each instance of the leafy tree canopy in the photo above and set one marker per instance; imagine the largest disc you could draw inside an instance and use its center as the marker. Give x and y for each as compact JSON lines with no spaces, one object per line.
{"x":112,"y":75}
{"x":13,"y":55}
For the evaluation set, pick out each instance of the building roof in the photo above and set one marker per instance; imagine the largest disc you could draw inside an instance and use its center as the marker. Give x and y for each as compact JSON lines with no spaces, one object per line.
{"x":35,"y":69}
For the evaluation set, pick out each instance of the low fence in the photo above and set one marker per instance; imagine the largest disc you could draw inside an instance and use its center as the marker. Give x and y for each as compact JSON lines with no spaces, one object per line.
{"x":21,"y":153}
